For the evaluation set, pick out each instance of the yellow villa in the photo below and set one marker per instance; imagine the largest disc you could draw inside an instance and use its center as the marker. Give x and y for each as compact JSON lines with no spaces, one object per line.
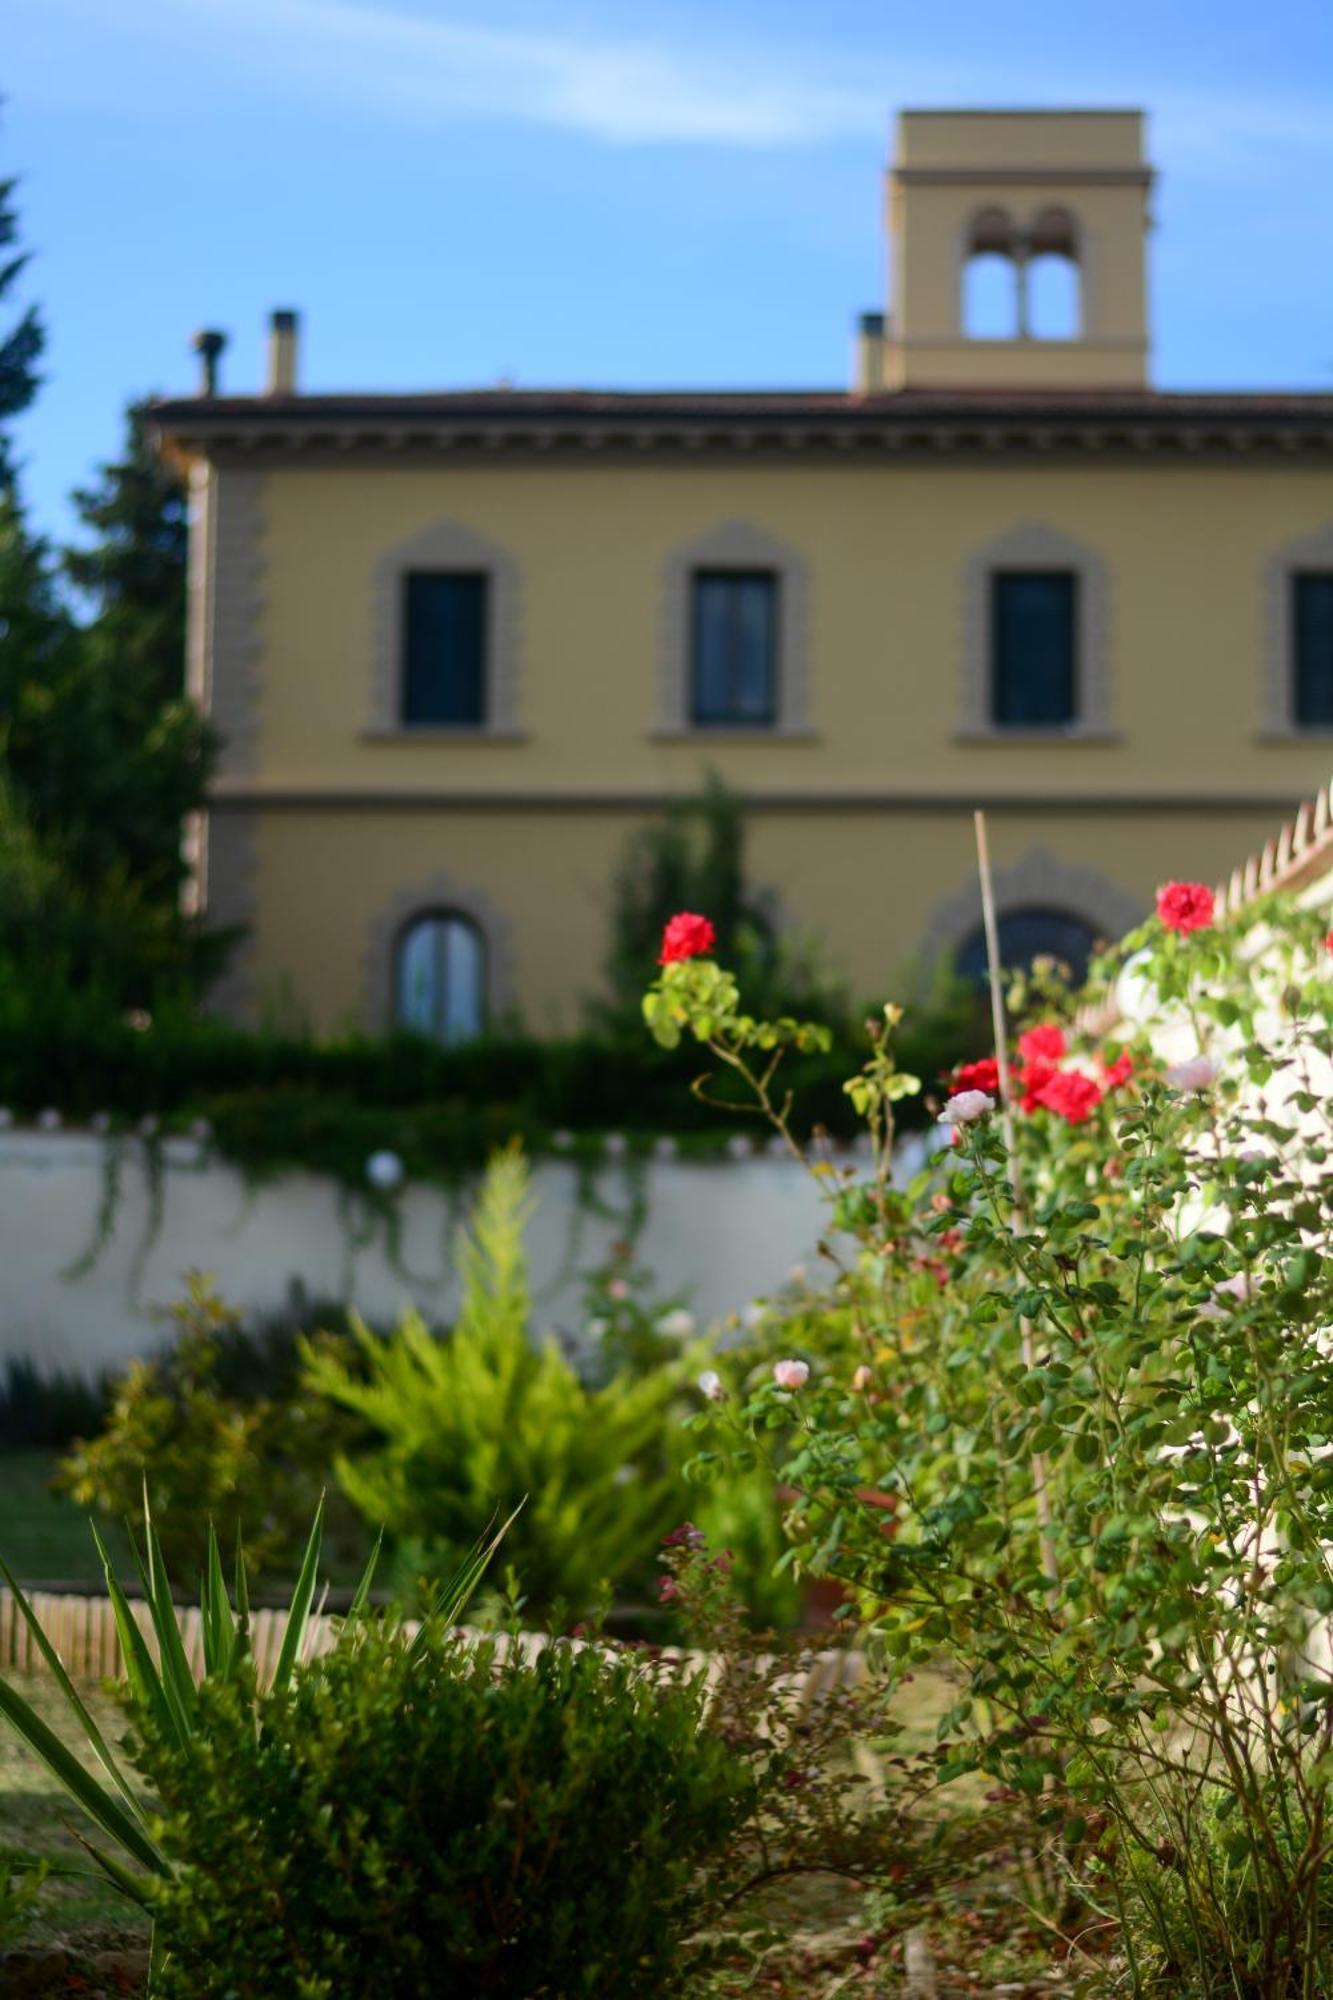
{"x":458,"y":645}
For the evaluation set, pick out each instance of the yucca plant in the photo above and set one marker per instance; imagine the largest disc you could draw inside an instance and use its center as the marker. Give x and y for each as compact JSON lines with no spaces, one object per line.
{"x":164,"y":1689}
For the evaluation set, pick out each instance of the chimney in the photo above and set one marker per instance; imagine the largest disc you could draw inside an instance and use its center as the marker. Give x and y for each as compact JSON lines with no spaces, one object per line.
{"x":208,"y":345}
{"x":871,"y":333}
{"x":282,"y":354}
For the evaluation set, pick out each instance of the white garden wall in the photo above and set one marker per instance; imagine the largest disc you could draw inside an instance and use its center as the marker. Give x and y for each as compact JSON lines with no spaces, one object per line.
{"x":719,"y":1233}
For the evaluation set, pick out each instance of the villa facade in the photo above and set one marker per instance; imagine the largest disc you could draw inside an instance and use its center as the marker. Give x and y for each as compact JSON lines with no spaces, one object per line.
{"x":458,"y":646}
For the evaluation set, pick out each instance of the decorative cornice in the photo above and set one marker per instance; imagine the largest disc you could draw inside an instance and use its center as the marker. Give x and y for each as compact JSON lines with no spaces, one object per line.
{"x":522,"y":424}
{"x":258,"y":798}
{"x":982,"y":177}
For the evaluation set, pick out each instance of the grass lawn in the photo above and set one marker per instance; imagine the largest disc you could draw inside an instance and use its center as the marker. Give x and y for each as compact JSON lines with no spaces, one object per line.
{"x":43,"y":1536}
{"x":39,"y":1820}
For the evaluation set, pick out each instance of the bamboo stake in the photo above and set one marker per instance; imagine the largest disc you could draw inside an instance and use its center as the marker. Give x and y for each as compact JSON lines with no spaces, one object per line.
{"x":1040,"y":1492}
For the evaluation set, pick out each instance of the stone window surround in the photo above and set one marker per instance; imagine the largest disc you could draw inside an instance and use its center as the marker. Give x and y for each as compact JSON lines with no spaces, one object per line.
{"x":440,"y":895}
{"x":734,"y":545}
{"x":1037,"y":879}
{"x":446,"y":545}
{"x":1035,"y":545}
{"x":1277,"y":721}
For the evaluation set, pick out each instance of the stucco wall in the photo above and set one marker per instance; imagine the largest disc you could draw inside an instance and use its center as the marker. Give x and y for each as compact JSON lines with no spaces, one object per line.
{"x":886,"y":547}
{"x":862,"y":824}
{"x":718,"y":1233}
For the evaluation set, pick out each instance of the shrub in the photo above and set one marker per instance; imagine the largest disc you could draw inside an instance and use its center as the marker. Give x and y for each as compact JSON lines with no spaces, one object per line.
{"x":436,"y":1819}
{"x":484,"y":1420}
{"x":1067,"y":1422}
{"x":47,"y":1411}
{"x":21,"y":1880}
{"x":174,"y":1702}
{"x":248,"y":1465}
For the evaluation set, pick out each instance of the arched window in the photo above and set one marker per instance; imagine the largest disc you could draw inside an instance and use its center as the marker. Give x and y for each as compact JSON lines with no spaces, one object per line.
{"x":1026,"y":933}
{"x":1054,"y":301}
{"x":991,"y":278}
{"x":440,"y":977}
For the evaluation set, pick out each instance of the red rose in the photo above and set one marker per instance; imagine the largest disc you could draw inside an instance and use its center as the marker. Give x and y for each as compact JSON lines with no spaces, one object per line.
{"x":1185,"y":906}
{"x":1117,"y":1072}
{"x":1045,"y":1044}
{"x":981,"y":1075}
{"x":686,"y":936}
{"x":1033,"y":1079}
{"x":1071,"y":1095}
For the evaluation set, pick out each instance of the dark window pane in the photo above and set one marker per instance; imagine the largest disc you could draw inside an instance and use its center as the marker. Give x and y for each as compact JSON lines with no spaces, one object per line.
{"x":734,"y":633}
{"x":1312,"y":627}
{"x":444,"y":646}
{"x":1027,"y":933}
{"x":1033,"y":621}
{"x":440,"y":978}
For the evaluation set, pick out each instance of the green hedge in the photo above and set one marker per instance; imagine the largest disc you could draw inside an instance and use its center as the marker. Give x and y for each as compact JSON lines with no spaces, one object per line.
{"x":276,"y":1101}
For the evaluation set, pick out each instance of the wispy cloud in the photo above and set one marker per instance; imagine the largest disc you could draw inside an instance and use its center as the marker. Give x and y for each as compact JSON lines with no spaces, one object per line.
{"x":741,"y":89}
{"x":385,"y":61}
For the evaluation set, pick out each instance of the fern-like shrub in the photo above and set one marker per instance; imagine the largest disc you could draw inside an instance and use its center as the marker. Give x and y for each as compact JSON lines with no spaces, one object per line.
{"x":485,"y":1420}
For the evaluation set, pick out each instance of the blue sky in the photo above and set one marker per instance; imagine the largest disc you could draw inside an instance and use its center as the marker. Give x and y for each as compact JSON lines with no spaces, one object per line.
{"x":682,"y":192}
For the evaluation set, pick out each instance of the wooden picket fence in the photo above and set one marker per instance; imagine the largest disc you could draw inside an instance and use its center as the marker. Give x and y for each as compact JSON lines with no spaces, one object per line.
{"x":83,"y":1632}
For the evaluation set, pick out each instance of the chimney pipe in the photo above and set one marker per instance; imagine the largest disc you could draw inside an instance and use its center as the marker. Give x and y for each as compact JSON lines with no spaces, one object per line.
{"x":282,"y":328}
{"x":871,"y":334}
{"x":208,"y":345}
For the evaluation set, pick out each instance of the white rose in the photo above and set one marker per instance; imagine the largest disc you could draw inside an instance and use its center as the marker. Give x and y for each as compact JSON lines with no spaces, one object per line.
{"x":966,"y":1107}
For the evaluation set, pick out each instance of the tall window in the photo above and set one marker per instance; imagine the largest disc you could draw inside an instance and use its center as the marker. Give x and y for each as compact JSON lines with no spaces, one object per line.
{"x":1312,"y":633}
{"x":1033,"y":663}
{"x":1027,"y":933}
{"x":440,"y":977}
{"x":734,"y":633}
{"x":991,"y":285}
{"x":444,"y":647}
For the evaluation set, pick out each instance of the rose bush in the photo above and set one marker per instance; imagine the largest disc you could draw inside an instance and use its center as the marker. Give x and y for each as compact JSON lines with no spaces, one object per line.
{"x":1069,"y":1424}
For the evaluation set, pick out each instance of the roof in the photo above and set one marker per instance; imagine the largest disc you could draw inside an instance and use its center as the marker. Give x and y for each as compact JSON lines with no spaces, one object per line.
{"x":834,"y":420}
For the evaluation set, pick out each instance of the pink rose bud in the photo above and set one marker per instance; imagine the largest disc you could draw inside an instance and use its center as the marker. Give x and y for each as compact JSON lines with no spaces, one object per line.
{"x":791,"y":1374}
{"x":966,"y":1107}
{"x":1196,"y":1074}
{"x":862,"y":1379}
{"x":712,"y":1386}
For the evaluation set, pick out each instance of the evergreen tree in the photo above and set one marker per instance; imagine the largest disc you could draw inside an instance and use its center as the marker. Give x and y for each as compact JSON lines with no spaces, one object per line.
{"x":21,"y":347}
{"x":694,"y":859}
{"x":153,"y":765}
{"x":134,"y":571}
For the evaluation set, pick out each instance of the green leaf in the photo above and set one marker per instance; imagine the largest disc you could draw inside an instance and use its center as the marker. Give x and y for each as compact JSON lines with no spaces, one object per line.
{"x":99,"y":1804}
{"x":361,"y":1594}
{"x":98,"y":1743}
{"x":145,"y":1683}
{"x":219,"y":1625}
{"x":177,"y":1680}
{"x":298,"y":1618}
